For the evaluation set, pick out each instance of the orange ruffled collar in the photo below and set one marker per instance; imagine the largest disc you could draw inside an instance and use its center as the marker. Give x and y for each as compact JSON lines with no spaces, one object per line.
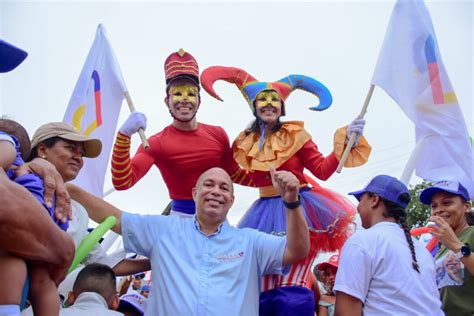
{"x":277,"y":148}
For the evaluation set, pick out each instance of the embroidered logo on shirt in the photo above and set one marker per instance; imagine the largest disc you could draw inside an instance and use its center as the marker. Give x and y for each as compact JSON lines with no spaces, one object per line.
{"x":229,"y":257}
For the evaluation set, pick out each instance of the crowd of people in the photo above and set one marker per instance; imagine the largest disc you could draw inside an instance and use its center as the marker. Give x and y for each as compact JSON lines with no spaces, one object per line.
{"x":199,"y":263}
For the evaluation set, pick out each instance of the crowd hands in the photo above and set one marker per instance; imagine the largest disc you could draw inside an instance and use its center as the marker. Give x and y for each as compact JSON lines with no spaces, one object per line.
{"x":200,"y":263}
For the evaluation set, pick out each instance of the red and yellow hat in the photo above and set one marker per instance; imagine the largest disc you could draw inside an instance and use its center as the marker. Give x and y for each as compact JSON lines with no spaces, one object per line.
{"x":179,"y":65}
{"x":251,"y":87}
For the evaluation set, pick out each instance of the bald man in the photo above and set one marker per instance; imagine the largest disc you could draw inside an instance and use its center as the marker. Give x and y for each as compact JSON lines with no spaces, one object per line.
{"x":202,"y":264}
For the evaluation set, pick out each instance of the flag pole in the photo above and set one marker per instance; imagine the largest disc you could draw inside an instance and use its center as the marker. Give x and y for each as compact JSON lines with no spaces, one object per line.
{"x":132,"y":109}
{"x":411,"y":163}
{"x":351,"y":141}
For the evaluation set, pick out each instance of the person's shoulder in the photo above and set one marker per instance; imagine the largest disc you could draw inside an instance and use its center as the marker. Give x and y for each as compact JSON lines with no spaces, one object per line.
{"x":210,"y":127}
{"x":469,"y":235}
{"x":363,"y":237}
{"x":244,"y":232}
{"x":159,"y":134}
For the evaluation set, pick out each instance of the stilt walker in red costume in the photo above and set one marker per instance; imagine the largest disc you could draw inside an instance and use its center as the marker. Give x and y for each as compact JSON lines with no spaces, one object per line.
{"x":288,"y":146}
{"x":183,"y":150}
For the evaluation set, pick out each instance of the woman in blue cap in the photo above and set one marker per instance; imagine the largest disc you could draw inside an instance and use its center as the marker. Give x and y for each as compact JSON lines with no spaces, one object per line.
{"x":450,"y":207}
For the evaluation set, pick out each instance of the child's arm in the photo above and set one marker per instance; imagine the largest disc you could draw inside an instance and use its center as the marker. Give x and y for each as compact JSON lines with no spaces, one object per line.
{"x":7,"y":150}
{"x":43,"y":294}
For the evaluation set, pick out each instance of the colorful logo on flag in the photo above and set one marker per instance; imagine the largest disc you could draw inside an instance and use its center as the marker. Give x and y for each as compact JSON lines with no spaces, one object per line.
{"x":81,"y":110}
{"x":439,"y":95}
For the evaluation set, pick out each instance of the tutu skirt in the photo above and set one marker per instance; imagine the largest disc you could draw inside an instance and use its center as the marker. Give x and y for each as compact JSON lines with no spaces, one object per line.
{"x":327,"y":213}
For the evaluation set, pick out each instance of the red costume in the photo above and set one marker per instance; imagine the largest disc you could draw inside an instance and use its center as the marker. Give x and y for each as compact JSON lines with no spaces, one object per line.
{"x":181,"y":156}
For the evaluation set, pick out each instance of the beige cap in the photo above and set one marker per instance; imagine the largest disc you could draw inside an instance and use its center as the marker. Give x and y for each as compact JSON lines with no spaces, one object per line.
{"x":92,"y":146}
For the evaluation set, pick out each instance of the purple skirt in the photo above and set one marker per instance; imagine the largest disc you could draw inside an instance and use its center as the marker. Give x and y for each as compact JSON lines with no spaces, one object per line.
{"x":327,"y":213}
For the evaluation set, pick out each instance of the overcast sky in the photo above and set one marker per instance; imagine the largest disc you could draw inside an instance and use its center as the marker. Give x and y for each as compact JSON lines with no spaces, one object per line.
{"x":336,"y":42}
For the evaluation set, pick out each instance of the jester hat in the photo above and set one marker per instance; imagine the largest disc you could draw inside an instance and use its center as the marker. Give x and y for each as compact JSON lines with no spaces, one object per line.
{"x":250,"y":87}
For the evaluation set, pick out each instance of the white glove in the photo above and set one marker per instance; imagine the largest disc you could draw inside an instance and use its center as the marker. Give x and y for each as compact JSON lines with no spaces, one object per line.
{"x":134,"y":122}
{"x":356,"y":126}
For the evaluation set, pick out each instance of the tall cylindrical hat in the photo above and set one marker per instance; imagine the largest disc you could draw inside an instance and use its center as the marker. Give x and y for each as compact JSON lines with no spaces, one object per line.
{"x":179,"y":65}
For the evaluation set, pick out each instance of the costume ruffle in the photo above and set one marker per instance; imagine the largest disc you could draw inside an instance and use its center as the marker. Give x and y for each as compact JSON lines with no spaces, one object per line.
{"x":276,"y":149}
{"x":327,"y":213}
{"x":358,"y":154}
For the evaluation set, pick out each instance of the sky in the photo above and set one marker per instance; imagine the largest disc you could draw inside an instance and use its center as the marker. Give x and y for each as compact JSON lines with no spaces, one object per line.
{"x":335,"y":42}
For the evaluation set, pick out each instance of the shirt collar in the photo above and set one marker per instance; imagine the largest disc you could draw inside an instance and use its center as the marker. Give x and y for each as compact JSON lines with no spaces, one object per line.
{"x":221,"y":229}
{"x":90,"y":299}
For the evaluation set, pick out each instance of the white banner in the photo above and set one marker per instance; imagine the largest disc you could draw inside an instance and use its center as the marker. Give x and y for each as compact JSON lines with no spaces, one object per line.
{"x":411,"y":71}
{"x":94,"y":108}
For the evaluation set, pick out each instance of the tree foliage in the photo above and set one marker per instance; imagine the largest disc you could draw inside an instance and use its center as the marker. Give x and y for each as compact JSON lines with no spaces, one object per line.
{"x":418,"y":213}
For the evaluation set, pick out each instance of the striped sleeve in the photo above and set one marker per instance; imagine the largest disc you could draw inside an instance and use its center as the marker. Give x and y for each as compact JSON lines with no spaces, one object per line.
{"x":121,"y":163}
{"x":125,"y":171}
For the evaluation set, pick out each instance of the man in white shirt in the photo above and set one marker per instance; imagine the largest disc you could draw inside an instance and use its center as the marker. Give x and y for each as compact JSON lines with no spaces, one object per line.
{"x":383,"y":270}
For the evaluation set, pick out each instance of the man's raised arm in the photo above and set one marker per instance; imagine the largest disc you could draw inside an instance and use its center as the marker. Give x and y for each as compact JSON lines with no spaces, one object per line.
{"x":297,"y":233}
{"x":97,"y":208}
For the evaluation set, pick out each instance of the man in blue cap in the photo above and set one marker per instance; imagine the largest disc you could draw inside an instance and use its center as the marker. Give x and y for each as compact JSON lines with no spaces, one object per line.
{"x":382,"y":270}
{"x":26,"y":230}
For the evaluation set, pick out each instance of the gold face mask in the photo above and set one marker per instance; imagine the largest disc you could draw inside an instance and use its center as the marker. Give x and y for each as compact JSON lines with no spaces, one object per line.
{"x":268,"y":97}
{"x":184,"y":92}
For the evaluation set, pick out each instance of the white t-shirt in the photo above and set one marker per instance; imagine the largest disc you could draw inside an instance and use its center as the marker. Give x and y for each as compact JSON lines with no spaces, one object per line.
{"x":376,"y":267}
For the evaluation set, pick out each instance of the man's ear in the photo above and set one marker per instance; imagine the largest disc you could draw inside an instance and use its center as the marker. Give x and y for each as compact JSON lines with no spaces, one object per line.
{"x":194,"y":191}
{"x":71,"y":298}
{"x":114,"y":302}
{"x":166,"y":101}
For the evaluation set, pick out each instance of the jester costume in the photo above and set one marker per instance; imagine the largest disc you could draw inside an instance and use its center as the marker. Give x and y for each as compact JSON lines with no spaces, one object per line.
{"x":290,"y":148}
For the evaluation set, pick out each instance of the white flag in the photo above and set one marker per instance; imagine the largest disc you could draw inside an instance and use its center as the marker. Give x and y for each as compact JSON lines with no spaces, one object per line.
{"x":411,"y":71}
{"x":94,"y":108}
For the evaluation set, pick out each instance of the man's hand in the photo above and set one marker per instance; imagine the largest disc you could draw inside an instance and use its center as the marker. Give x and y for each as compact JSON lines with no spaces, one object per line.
{"x":134,"y":122}
{"x":53,"y":185}
{"x":286,"y":184}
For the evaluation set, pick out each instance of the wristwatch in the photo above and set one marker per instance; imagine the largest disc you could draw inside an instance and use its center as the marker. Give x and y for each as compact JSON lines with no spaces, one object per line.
{"x":464,"y":252}
{"x":292,"y":205}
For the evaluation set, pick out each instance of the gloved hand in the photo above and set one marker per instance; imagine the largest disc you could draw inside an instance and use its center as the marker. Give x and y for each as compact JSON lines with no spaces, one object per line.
{"x":357,"y":126}
{"x":134,"y":122}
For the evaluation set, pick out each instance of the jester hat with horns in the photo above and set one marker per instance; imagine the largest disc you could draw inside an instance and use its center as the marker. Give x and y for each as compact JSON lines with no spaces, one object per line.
{"x":251,"y":87}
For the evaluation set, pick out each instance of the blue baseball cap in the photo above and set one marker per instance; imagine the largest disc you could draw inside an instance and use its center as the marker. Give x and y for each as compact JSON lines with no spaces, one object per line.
{"x":453,"y":187}
{"x":386,"y":187}
{"x":133,"y":300}
{"x":10,"y":56}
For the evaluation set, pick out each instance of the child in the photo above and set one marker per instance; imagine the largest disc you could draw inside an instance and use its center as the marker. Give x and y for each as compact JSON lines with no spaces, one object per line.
{"x":14,"y":147}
